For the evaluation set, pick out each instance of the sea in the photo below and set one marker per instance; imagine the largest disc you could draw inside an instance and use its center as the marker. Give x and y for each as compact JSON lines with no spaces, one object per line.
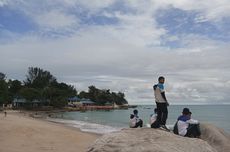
{"x":102,"y":122}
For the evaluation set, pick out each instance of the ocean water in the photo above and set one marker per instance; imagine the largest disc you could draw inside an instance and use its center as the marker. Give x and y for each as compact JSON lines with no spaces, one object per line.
{"x":113,"y":120}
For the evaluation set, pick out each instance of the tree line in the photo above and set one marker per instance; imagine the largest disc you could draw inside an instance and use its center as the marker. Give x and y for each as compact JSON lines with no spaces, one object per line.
{"x":41,"y":85}
{"x":103,"y":96}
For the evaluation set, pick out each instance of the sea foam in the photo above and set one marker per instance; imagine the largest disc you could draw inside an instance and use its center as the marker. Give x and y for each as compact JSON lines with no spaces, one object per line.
{"x":86,"y":126}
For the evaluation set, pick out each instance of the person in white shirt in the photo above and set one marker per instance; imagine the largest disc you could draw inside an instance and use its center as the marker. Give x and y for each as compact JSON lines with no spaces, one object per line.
{"x":132,"y":121}
{"x":186,"y":126}
{"x":135,"y":121}
{"x":153,"y":119}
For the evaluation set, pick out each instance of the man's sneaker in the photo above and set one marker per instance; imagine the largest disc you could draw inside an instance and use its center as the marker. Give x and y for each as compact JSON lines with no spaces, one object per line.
{"x":163,"y":127}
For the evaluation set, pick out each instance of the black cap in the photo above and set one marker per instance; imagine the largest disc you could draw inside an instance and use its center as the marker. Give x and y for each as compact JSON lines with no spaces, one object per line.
{"x":186,"y":111}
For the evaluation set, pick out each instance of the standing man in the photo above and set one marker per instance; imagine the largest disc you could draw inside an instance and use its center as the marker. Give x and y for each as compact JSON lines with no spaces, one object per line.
{"x":161,"y":102}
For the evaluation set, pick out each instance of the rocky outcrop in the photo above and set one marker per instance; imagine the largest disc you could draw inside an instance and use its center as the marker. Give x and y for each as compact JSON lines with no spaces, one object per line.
{"x":217,"y":138}
{"x":148,"y":140}
{"x":213,"y":139}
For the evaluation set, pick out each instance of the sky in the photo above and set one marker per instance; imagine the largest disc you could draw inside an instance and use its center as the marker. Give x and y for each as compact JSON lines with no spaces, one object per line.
{"x":122,"y":45}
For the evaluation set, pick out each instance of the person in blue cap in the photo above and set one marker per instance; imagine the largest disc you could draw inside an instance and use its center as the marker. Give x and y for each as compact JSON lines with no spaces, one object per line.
{"x":186,"y":126}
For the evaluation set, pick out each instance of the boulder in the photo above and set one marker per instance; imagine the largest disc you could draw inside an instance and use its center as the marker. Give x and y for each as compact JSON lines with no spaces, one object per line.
{"x":216,"y":137}
{"x":148,"y":140}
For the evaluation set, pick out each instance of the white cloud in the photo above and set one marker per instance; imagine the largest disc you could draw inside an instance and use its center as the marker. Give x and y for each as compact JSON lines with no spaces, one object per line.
{"x":3,"y":2}
{"x":126,"y":56}
{"x":97,"y":57}
{"x":56,"y":19}
{"x":138,"y":29}
{"x":214,"y":11}
{"x":95,"y":4}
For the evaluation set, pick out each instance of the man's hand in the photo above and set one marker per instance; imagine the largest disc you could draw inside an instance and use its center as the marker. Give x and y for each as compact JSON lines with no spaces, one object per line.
{"x":167,"y":103}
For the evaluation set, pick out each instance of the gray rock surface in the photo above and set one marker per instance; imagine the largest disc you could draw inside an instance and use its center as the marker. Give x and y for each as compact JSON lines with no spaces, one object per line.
{"x":217,"y":138}
{"x":149,"y":140}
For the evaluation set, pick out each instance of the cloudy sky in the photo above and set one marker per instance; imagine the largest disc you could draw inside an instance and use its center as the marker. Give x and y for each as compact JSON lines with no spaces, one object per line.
{"x":123,"y":45}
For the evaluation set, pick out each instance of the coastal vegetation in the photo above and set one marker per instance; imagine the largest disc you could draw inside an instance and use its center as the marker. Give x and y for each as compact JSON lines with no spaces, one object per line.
{"x":103,"y":96}
{"x":42,"y":86}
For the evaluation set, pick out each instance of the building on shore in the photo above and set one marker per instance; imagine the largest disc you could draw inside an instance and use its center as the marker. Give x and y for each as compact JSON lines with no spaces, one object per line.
{"x":87,"y":102}
{"x":77,"y":102}
{"x":21,"y":102}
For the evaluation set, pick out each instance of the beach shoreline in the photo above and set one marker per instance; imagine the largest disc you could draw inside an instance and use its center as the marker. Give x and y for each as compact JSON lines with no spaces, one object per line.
{"x":20,"y":132}
{"x":32,"y":131}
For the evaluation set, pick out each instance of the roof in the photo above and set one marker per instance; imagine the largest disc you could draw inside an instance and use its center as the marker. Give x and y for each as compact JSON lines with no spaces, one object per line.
{"x":19,"y":100}
{"x":22,"y":100}
{"x":83,"y":100}
{"x":108,"y":103}
{"x":87,"y":102}
{"x":74,"y":99}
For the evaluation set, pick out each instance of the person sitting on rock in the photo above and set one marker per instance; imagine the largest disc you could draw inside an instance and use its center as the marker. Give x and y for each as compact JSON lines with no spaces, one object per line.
{"x":135,"y":121}
{"x":186,"y":126}
{"x":132,"y":121}
{"x":153,"y":120}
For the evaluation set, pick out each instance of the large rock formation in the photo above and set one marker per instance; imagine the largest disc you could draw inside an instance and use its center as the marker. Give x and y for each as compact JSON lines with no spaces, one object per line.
{"x":155,"y":140}
{"x":216,"y":137}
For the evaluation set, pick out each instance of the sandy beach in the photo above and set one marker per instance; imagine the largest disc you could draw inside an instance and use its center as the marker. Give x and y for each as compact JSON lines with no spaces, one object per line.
{"x":19,"y":133}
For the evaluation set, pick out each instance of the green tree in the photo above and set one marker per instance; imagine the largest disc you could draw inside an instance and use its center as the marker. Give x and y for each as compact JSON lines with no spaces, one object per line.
{"x":4,"y":93}
{"x":83,"y":94}
{"x":49,"y":93}
{"x":14,"y":87}
{"x":120,"y":99}
{"x":59,"y":102}
{"x":49,"y":89}
{"x":57,"y":96}
{"x":38,"y":85}
{"x":30,"y":94}
{"x":93,"y":93}
{"x":65,"y":89}
{"x":39,"y":78}
{"x":102,"y":96}
{"x":2,"y":76}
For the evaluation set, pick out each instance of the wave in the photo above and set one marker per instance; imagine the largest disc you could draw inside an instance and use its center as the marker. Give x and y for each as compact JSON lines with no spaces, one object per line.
{"x":86,"y":126}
